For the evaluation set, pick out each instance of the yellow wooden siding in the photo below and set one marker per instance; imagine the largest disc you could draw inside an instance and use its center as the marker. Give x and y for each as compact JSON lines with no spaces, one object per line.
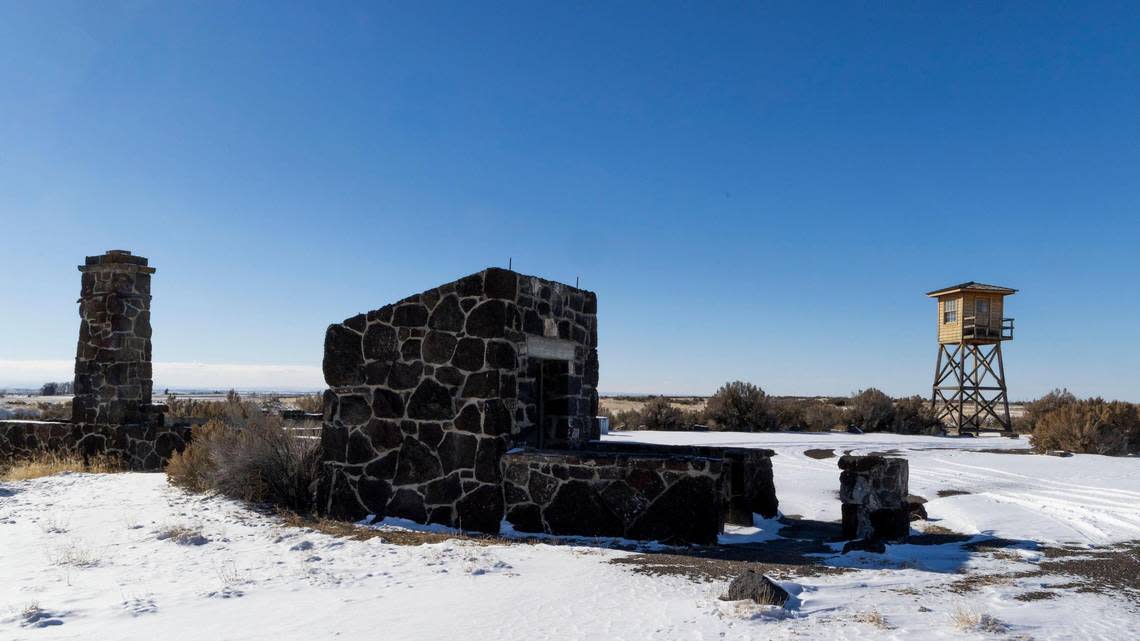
{"x":949,"y":332}
{"x":952,"y":332}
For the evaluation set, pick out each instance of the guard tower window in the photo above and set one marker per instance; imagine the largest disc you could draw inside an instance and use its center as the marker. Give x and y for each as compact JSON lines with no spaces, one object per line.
{"x":982,"y":311}
{"x":950,"y":311}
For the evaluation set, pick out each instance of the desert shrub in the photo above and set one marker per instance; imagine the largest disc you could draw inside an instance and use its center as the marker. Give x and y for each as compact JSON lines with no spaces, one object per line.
{"x":193,"y":468}
{"x":820,"y":416}
{"x":1035,"y":409}
{"x":54,"y":411}
{"x":312,"y":403}
{"x":871,"y":410}
{"x":659,"y":414}
{"x":789,"y":414}
{"x":231,"y":410}
{"x":914,"y":415}
{"x":1091,"y":426}
{"x":251,"y":459}
{"x":626,"y":420}
{"x":740,"y":407}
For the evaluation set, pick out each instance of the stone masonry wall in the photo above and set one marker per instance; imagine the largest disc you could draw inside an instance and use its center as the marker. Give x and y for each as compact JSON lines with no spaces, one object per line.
{"x":675,"y":499}
{"x":427,"y":394}
{"x":749,"y":484}
{"x":113,"y":358}
{"x":139,"y":447}
{"x":873,"y":490}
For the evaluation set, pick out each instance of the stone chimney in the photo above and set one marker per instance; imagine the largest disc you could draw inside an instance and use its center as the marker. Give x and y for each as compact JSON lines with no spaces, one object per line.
{"x":112,"y":362}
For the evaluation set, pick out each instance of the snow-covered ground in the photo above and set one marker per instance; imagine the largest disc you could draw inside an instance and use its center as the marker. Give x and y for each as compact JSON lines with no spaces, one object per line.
{"x":90,"y":557}
{"x":1082,"y":499}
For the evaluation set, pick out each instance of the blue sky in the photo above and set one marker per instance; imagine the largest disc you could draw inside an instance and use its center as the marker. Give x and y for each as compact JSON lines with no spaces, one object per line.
{"x":754,"y":191}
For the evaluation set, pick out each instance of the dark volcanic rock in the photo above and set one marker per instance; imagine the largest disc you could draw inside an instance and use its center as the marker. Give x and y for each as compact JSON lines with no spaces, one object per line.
{"x":417,"y":463}
{"x":689,"y":511}
{"x":502,"y":355}
{"x":343,"y":363}
{"x":384,"y":435}
{"x":500,"y":283}
{"x":408,"y":504}
{"x":380,"y":343}
{"x":447,"y":315}
{"x":431,"y":401}
{"x":487,"y":459}
{"x":405,"y":375}
{"x":468,"y":355}
{"x":577,"y":509}
{"x":374,"y":494}
{"x":874,"y":546}
{"x":542,"y":487}
{"x":387,"y":404}
{"x":438,"y":347}
{"x":444,"y":490}
{"x":410,"y":315}
{"x":469,"y":419}
{"x":482,"y":385}
{"x":354,"y":410}
{"x":457,"y":451}
{"x":481,"y":510}
{"x":756,"y":587}
{"x":488,"y":320}
{"x":525,"y":518}
{"x":496,"y":419}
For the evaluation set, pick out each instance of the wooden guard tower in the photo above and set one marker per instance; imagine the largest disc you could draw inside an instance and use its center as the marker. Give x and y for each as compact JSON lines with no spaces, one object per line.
{"x":969,"y":377}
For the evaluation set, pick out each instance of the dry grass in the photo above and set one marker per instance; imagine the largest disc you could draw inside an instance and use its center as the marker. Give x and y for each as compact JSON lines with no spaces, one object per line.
{"x":875,"y":618}
{"x":625,"y":404}
{"x":313,"y":403}
{"x":968,"y":620}
{"x":50,"y":463}
{"x":73,"y":554}
{"x":182,"y":534}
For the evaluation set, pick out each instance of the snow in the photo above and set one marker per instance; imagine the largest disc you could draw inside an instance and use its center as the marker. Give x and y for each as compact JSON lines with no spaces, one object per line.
{"x":1084,"y":499}
{"x":126,"y":556}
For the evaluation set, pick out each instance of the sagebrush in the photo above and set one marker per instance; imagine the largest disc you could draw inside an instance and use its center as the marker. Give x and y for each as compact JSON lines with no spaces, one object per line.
{"x":252,"y":457}
{"x":1090,"y":426}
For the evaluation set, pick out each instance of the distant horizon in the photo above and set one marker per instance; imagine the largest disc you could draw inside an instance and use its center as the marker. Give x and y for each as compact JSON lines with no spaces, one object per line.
{"x":199,"y":372}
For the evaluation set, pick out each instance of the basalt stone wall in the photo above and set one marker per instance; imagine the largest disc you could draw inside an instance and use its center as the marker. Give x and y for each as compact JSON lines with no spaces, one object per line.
{"x":675,"y":499}
{"x":873,"y":490}
{"x":425,"y":395}
{"x":139,"y":447}
{"x":113,"y":358}
{"x":748,"y":480}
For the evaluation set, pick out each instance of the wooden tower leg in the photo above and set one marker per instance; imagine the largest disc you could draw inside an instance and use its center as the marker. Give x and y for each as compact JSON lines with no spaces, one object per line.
{"x":961,"y":392}
{"x":1008,"y":423}
{"x":937,"y":378}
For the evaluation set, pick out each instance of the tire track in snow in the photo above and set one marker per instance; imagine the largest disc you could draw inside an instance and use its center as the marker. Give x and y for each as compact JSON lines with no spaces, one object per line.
{"x":1096,"y":514}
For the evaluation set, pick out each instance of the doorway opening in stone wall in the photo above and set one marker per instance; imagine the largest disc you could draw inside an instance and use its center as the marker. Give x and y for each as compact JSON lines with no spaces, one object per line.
{"x":552,"y":386}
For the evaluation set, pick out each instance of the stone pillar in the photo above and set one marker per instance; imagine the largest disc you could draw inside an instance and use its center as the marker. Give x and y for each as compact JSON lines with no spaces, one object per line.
{"x":112,"y":362}
{"x":874,"y":490}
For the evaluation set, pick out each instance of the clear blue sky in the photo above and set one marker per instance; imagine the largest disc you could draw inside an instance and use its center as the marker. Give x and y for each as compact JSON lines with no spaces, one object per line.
{"x":757,"y":192}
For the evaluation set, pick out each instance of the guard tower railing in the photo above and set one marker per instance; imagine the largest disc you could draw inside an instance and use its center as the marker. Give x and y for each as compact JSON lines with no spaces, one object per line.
{"x":972,"y":329}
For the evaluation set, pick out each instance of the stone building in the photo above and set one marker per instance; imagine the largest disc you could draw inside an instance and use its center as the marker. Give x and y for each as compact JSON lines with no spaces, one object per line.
{"x":474,"y":402}
{"x":427,"y":394}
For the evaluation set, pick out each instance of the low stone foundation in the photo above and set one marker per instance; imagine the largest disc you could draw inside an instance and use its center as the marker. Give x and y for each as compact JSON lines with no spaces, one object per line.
{"x":749,"y":484}
{"x":675,"y":499}
{"x":140,"y":447}
{"x":873,"y":490}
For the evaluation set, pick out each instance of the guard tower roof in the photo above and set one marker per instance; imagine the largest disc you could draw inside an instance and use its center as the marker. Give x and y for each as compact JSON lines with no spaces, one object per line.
{"x":973,"y":286}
